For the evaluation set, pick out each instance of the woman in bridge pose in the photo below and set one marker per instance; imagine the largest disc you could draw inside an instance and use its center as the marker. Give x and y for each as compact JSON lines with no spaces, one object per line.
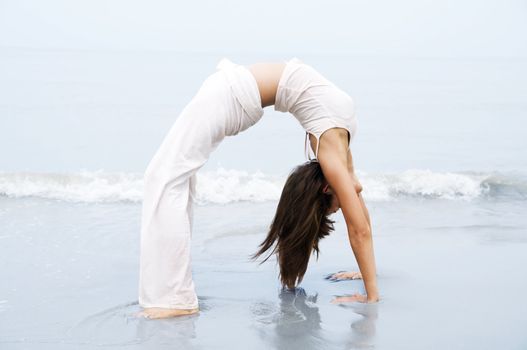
{"x":228,"y":102}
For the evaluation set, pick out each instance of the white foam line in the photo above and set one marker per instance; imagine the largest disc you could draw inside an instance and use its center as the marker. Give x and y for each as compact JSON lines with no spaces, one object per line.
{"x":224,"y":186}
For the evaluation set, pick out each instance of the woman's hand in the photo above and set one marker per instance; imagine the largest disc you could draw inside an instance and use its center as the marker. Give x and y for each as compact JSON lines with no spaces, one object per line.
{"x":357,"y":297}
{"x":333,"y":159}
{"x":344,"y":275}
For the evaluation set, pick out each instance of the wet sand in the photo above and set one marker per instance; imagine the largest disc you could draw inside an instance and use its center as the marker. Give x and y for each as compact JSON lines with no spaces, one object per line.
{"x":451,"y":275}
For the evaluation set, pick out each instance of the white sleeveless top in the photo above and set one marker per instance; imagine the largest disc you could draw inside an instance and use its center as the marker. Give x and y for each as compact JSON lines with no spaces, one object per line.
{"x":314,"y":101}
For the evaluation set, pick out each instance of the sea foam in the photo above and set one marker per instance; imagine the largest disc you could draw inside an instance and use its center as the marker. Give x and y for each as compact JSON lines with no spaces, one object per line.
{"x":224,"y":186}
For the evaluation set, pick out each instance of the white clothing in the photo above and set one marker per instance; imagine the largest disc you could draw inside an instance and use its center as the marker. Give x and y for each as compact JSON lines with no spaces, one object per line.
{"x":315,"y":102}
{"x":227,"y":103}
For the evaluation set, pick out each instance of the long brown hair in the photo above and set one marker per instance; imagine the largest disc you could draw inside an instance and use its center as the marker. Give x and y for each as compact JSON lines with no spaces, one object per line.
{"x":301,"y":220}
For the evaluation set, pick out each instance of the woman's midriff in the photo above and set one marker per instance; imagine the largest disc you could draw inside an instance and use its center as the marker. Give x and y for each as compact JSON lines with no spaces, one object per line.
{"x":267,"y":76}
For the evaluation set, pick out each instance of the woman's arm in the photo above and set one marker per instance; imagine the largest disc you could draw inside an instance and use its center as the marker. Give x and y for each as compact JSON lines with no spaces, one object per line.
{"x":358,"y":186}
{"x":333,"y":158}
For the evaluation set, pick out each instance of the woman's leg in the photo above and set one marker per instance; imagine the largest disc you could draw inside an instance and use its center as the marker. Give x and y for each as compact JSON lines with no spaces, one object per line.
{"x":166,"y":287}
{"x":166,"y":278}
{"x":227,"y":103}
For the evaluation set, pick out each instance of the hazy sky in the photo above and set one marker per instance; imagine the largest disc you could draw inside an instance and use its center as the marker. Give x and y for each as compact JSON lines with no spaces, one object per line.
{"x":419,"y":27}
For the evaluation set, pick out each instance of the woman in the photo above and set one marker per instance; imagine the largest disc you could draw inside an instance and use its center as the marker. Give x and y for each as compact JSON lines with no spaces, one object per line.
{"x":230,"y":101}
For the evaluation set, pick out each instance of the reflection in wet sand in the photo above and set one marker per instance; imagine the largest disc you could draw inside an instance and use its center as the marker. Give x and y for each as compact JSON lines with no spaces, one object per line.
{"x":121,"y":325}
{"x":179,"y":330}
{"x":363,"y":329}
{"x":295,"y":323}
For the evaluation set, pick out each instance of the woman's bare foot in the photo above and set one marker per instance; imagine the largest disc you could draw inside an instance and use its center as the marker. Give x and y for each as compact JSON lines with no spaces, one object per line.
{"x":158,"y":312}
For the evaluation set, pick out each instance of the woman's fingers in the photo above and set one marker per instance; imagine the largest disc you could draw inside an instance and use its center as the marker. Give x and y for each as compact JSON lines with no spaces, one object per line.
{"x":344,"y":275}
{"x":350,"y":275}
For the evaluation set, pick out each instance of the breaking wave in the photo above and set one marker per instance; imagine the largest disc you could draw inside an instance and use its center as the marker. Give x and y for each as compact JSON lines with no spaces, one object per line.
{"x":223,"y":186}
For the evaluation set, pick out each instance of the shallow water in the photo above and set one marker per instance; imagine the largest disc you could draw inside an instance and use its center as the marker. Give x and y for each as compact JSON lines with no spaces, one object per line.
{"x":451,"y":275}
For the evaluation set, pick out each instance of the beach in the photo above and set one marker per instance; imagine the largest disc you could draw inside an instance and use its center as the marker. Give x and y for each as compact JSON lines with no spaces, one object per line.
{"x":447,"y":281}
{"x":440,"y":152}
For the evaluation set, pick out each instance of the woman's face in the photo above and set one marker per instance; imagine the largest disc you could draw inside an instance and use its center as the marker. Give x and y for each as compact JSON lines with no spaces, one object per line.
{"x":335,"y":205}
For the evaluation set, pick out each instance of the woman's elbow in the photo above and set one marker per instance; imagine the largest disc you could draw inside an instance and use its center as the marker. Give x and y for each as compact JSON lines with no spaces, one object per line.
{"x":362,"y":232}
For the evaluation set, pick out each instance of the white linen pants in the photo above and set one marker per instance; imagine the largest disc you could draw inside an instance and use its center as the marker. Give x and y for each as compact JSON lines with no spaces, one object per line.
{"x":227,"y":103}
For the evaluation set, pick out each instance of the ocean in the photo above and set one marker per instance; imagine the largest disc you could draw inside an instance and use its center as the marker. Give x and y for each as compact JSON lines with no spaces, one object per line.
{"x":440,"y":152}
